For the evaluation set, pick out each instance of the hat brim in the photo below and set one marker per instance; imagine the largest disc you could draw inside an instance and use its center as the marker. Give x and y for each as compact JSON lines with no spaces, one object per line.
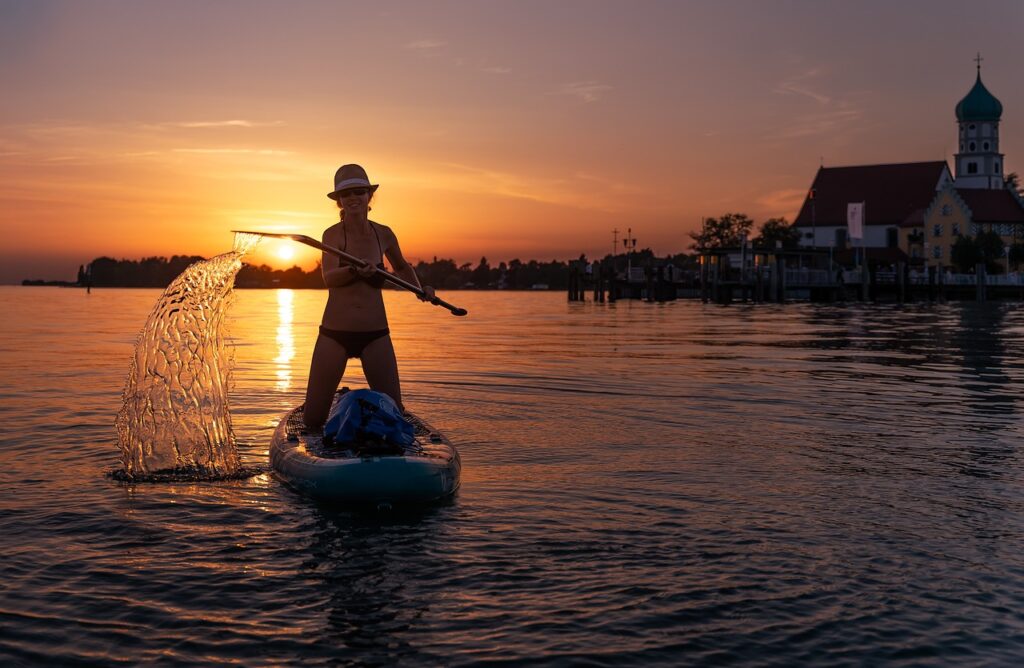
{"x":334,"y":195}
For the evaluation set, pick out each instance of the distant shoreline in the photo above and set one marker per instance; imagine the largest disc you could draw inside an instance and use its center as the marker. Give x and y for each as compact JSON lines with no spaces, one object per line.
{"x":70,"y":284}
{"x":443,"y":274}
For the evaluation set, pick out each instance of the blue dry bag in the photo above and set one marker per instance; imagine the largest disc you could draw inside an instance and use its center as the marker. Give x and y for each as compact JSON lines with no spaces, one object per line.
{"x":365,"y":415}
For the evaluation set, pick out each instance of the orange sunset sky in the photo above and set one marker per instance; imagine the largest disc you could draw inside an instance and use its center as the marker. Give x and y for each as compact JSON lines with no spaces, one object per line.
{"x":525,"y":129}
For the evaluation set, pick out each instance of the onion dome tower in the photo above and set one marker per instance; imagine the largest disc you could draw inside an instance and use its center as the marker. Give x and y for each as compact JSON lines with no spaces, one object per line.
{"x":979,"y":164}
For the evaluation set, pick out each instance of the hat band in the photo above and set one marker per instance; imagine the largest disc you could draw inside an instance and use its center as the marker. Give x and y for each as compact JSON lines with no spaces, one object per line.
{"x":348,"y":183}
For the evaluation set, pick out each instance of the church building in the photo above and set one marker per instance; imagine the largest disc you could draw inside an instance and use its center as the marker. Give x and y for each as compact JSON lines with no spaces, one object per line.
{"x":916,"y":211}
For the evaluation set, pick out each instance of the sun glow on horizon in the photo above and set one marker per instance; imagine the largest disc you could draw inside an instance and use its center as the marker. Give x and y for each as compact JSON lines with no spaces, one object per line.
{"x":285,"y":252}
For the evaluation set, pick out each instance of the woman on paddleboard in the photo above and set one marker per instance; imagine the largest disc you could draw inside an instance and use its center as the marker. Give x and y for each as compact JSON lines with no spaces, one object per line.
{"x":355,"y":323}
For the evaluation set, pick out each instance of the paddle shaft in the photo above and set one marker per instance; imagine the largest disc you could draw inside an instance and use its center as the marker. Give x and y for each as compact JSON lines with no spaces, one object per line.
{"x":361,"y":263}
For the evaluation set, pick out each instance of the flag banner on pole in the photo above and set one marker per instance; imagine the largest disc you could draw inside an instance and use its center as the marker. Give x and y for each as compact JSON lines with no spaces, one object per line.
{"x":855,"y":219}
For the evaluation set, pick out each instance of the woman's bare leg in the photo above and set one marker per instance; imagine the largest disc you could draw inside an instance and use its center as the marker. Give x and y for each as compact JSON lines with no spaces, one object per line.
{"x":381,"y":368}
{"x":325,"y":372}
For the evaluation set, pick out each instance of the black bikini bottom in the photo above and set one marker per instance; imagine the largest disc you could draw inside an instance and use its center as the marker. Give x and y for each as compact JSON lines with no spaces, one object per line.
{"x":354,"y":342}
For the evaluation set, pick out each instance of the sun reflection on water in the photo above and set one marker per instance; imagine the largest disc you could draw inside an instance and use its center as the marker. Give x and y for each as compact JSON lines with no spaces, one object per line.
{"x":285,"y":339}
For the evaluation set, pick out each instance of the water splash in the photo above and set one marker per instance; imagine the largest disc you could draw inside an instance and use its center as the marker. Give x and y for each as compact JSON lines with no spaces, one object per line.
{"x":174,"y":423}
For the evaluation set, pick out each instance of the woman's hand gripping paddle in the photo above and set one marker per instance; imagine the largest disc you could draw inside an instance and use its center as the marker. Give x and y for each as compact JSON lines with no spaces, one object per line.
{"x":359,"y":262}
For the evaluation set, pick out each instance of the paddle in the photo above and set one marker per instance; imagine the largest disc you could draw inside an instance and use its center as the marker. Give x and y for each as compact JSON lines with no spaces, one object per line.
{"x":359,"y":262}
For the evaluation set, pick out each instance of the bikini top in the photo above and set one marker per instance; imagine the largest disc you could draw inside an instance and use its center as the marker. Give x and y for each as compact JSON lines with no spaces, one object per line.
{"x":375,"y":281}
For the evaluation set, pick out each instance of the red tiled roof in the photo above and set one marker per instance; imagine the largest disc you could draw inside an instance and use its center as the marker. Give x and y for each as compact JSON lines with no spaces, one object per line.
{"x":992,"y":206}
{"x":892,"y":193}
{"x":915,"y":219}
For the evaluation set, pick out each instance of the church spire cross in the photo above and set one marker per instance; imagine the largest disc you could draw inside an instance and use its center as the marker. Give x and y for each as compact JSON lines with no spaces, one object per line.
{"x":978,"y":61}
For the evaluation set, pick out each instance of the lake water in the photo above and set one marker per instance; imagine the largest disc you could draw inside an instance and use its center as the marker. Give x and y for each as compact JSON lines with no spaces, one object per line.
{"x":643,"y":484}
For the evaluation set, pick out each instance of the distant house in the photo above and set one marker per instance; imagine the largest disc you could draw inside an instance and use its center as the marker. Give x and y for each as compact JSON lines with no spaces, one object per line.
{"x":895,"y":198}
{"x":916,"y":211}
{"x":978,"y":199}
{"x":967,"y":211}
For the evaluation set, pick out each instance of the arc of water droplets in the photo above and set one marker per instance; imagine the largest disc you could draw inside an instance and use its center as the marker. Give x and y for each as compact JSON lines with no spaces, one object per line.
{"x":175,"y":413}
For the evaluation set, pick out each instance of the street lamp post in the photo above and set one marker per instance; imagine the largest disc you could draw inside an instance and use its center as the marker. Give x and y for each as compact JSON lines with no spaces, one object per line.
{"x":630,"y":244}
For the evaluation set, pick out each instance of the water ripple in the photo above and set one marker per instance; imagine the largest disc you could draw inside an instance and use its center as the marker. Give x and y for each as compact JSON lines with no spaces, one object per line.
{"x":643,"y":485}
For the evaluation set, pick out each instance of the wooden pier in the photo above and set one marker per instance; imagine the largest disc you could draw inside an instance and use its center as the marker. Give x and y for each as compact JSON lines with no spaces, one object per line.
{"x":788,"y":276}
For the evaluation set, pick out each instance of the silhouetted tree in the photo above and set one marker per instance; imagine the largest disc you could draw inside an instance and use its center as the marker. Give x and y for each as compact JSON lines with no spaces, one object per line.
{"x":481,"y":276}
{"x":721,"y":232}
{"x":992,"y":248}
{"x":1013,"y":183}
{"x":778,"y":229}
{"x":986,"y":247}
{"x":1016,"y":257}
{"x":965,"y":254}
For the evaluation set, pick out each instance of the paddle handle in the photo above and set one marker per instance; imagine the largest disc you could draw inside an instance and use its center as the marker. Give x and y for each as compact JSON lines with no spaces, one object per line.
{"x":361,"y":263}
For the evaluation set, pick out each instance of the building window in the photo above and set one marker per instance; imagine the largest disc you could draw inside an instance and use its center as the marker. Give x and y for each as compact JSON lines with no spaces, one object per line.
{"x":995,"y":166}
{"x":984,"y":146}
{"x":947,"y":210}
{"x":961,"y":147}
{"x":1006,"y":229}
{"x":972,"y":147}
{"x":956,"y":229}
{"x":840,"y":238}
{"x":971,"y":126}
{"x":892,"y":237}
{"x":975,"y":229}
{"x":937,"y":230}
{"x":972,"y":168}
{"x":915,"y":252}
{"x":937,"y":252}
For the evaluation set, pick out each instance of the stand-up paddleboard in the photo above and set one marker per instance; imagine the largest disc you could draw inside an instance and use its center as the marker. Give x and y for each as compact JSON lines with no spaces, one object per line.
{"x":372,"y":472}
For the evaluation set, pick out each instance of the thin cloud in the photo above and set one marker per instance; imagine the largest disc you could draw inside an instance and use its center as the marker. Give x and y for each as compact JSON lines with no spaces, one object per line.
{"x":798,"y":85}
{"x":782,"y":202}
{"x":202,"y":125}
{"x":827,"y":122}
{"x":274,"y":221}
{"x":588,"y":91}
{"x":234,"y":123}
{"x":279,"y":213}
{"x":230,"y":151}
{"x":496,"y":70}
{"x":830,"y":115}
{"x":426,"y":44}
{"x":577,"y":192}
{"x":605,"y":185}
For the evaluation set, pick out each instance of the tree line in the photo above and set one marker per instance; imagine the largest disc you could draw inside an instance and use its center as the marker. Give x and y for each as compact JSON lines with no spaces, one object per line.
{"x":726,"y":231}
{"x":986,"y":247}
{"x":158,"y":272}
{"x":731,"y":229}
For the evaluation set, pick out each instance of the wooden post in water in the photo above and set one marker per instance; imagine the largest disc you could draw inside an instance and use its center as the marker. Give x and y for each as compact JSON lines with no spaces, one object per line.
{"x":704,"y":262}
{"x":713,"y":283}
{"x":979,"y":275}
{"x":901,"y":280}
{"x":780,"y":264}
{"x":773,"y":281}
